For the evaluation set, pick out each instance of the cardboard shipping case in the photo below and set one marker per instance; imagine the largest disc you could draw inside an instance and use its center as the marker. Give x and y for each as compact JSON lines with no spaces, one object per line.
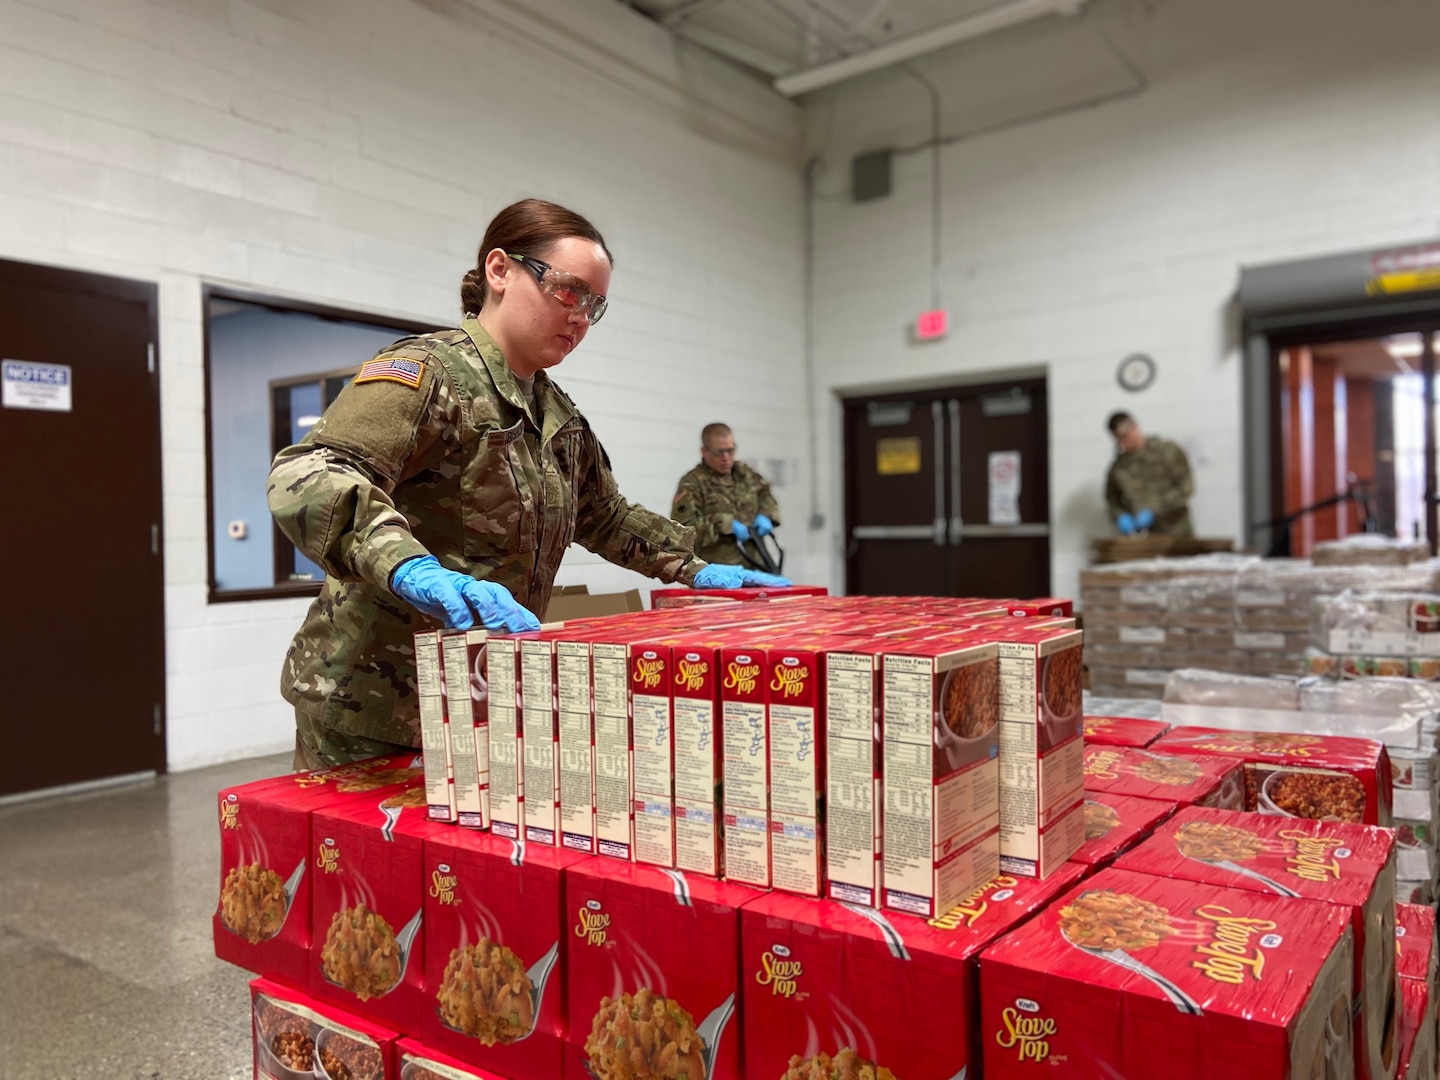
{"x":1300,"y":775}
{"x":262,"y":920}
{"x":1135,"y":976}
{"x":650,"y":965}
{"x":1352,"y":866}
{"x":494,"y":931}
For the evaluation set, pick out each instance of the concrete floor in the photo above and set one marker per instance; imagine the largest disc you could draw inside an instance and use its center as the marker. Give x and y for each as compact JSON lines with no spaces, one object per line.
{"x":105,"y":905}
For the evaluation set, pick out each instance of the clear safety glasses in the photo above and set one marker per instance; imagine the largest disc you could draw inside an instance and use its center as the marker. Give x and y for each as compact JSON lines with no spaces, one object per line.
{"x":572,"y":292}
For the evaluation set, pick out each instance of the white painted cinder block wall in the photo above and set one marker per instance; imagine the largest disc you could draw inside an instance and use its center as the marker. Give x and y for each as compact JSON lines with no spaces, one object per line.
{"x":351,"y":152}
{"x":1269,"y":131}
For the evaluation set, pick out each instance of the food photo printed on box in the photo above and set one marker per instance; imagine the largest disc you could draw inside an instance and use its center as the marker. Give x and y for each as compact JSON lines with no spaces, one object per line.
{"x":1352,"y":866}
{"x":1149,"y":979}
{"x":267,"y":872}
{"x":494,"y":928}
{"x":296,"y":1037}
{"x":651,"y":982}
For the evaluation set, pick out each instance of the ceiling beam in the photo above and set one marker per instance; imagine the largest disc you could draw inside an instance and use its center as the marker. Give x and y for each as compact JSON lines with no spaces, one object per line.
{"x":927,"y":41}
{"x":735,"y":50}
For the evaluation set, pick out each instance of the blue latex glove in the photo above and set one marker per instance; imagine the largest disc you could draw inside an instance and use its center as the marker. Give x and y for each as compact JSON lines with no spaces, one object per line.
{"x":455,"y":599}
{"x":763,"y":525}
{"x":1126,"y":524}
{"x":719,"y":576}
{"x":1144,"y":519}
{"x":741,"y":531}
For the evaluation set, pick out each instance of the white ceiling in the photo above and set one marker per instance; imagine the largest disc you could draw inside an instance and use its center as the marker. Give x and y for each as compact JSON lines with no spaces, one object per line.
{"x":780,"y":37}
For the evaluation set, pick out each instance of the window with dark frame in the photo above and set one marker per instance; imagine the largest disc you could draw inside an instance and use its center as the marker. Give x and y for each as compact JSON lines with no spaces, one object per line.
{"x":272,"y":367}
{"x":295,"y":407}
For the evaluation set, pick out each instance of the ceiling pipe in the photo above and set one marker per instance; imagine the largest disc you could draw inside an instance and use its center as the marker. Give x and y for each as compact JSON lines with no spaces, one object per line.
{"x":927,"y":41}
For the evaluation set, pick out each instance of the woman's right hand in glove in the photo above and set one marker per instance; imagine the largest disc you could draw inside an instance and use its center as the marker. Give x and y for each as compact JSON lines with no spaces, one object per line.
{"x":458,"y":599}
{"x":720,"y":576}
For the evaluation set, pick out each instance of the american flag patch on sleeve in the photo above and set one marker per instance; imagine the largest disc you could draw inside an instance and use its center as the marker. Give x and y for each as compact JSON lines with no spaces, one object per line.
{"x":399,"y":369}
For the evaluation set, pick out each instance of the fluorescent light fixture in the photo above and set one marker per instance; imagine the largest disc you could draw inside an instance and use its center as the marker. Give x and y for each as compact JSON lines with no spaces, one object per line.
{"x":307,"y":422}
{"x":1404,"y":346}
{"x":927,"y":41}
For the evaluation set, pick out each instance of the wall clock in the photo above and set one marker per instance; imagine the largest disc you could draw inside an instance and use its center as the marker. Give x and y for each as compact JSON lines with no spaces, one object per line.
{"x":1136,"y":372}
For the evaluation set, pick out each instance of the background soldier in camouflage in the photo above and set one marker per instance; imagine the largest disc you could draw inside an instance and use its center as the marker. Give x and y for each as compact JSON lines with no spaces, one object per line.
{"x":723,"y":500}
{"x":446,"y":482}
{"x":1149,"y":485}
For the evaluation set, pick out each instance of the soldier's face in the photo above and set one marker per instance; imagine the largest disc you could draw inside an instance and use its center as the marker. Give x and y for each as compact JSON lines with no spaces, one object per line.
{"x":539,"y":331}
{"x":721,"y":455}
{"x":1128,"y":438}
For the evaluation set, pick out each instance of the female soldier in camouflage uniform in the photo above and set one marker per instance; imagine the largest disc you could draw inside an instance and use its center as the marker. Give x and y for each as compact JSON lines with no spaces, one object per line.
{"x":446,"y":482}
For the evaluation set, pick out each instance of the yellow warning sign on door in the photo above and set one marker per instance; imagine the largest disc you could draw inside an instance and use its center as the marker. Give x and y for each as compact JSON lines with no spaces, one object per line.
{"x":1404,"y":281}
{"x":897,"y":457}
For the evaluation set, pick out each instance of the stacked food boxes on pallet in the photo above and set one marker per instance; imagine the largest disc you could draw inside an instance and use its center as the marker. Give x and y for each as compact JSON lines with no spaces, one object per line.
{"x":758,"y":840}
{"x":1402,"y":713}
{"x":1218,"y":612}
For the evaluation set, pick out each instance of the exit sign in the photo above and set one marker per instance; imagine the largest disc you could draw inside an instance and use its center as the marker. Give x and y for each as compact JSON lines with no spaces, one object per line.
{"x":930,"y":325}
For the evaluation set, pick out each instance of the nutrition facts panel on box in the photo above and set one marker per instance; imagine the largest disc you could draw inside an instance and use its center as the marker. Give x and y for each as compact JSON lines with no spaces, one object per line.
{"x":505,"y":790}
{"x":1018,"y":696}
{"x":908,"y":684}
{"x":608,"y":672}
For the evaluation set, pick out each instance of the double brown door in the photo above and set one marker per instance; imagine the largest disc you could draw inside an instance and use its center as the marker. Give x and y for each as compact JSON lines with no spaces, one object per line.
{"x":947,"y":492}
{"x":84,"y":637}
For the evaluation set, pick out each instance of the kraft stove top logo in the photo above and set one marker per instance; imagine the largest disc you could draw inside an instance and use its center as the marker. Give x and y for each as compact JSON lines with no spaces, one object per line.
{"x":1025,"y":1031}
{"x":329,"y":857}
{"x":742,"y":675}
{"x":780,"y":973}
{"x":594,"y":925}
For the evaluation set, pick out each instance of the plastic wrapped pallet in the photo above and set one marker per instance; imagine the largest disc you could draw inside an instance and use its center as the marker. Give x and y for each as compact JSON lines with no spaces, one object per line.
{"x":1197,"y":686}
{"x":1407,"y":710}
{"x":1392,"y":622}
{"x":1225,"y":612}
{"x":1369,"y":549}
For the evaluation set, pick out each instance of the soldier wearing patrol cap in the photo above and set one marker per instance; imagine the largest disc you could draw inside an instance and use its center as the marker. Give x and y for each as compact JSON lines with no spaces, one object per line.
{"x":1149,"y":485}
{"x":723,"y":500}
{"x":445,"y":483}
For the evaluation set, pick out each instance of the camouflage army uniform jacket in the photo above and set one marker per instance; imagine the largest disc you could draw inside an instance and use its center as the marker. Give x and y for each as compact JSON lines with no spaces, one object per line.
{"x":1156,"y":478}
{"x":456,"y":467}
{"x":710,"y":502}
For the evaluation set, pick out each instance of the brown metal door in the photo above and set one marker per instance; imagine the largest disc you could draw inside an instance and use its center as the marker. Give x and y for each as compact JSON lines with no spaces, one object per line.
{"x":894,"y":496}
{"x":82,"y":572}
{"x":947,"y":492}
{"x":1000,"y":544}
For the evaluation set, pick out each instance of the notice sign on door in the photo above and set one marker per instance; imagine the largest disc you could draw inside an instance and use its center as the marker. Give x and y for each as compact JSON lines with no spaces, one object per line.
{"x":36,"y":386}
{"x":897,"y":457}
{"x":1004,"y":472}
